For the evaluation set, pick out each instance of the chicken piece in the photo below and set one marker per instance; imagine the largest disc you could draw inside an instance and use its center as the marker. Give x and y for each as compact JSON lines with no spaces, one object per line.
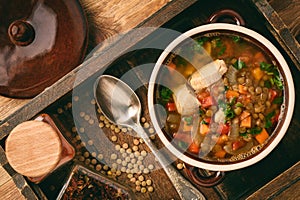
{"x":208,"y":74}
{"x":186,"y":102}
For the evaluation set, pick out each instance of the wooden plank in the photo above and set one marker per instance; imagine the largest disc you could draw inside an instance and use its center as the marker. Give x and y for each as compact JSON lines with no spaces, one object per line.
{"x":5,"y":177}
{"x":291,"y":19}
{"x":9,"y":191}
{"x":285,"y":186}
{"x":9,"y":106}
{"x":280,"y":30}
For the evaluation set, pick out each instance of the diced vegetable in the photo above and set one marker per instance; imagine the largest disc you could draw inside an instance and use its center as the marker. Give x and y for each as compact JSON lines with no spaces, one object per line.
{"x":166,"y":94}
{"x":171,"y":67}
{"x":231,"y":94}
{"x":246,"y":122}
{"x":171,"y":107}
{"x":239,"y":64}
{"x":207,"y":102}
{"x":243,"y":89}
{"x":262,"y":136}
{"x":220,"y":154}
{"x":224,"y":129}
{"x":204,"y":129}
{"x":244,"y":115}
{"x":238,"y":144}
{"x":257,"y":73}
{"x":272,"y":95}
{"x":194,"y":148}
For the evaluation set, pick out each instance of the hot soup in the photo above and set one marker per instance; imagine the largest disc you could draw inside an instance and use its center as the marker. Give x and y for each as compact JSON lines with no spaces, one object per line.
{"x":230,"y":102}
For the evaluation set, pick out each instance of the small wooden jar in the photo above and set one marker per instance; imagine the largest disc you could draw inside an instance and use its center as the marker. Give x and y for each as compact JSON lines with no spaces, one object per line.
{"x":36,"y":148}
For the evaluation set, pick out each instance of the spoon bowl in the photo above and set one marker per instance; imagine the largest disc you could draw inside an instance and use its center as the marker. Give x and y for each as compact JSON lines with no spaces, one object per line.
{"x":120,"y":105}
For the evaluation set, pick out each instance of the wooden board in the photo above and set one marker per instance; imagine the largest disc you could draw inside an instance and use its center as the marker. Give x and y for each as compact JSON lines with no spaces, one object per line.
{"x":230,"y":187}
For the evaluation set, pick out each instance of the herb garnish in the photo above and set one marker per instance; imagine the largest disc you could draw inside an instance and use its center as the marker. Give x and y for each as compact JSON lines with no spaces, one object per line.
{"x":268,"y":119}
{"x":165,"y":94}
{"x":239,"y":64}
{"x":272,"y":71}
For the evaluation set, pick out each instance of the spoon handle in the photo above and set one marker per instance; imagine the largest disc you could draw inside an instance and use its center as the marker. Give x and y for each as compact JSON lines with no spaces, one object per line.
{"x":184,"y":188}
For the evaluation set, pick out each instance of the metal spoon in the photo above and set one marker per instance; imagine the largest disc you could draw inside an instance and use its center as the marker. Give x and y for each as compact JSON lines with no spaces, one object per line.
{"x":119,"y":104}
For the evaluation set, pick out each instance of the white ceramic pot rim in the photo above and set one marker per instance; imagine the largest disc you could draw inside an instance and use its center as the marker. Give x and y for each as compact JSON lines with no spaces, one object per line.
{"x":290,"y":103}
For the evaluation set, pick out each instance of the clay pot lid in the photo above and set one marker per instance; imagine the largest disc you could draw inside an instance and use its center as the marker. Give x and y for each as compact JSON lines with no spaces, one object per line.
{"x":33,"y":148}
{"x":40,"y":41}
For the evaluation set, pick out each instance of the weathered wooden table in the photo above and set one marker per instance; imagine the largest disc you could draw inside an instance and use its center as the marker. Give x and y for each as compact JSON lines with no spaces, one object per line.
{"x":275,"y":177}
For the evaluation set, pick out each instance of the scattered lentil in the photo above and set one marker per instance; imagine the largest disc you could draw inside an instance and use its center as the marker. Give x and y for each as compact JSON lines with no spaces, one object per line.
{"x":143,"y":119}
{"x":113,"y":156}
{"x":179,"y":166}
{"x":98,"y":167}
{"x":150,"y":189}
{"x":143,"y":153}
{"x":125,"y":145}
{"x":105,"y":167}
{"x":86,"y":154}
{"x":149,"y":182}
{"x":135,"y":148}
{"x":114,"y":138}
{"x":90,"y":142}
{"x":100,"y":156}
{"x":138,"y":188}
{"x":143,"y":190}
{"x":146,"y":125}
{"x":117,"y":147}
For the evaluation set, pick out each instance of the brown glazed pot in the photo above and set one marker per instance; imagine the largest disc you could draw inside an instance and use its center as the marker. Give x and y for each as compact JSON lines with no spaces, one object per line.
{"x":40,"y":41}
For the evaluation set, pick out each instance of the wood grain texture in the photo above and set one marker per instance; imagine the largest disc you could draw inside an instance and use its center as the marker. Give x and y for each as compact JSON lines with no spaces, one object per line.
{"x":33,"y":148}
{"x":9,"y":106}
{"x":291,"y":19}
{"x":285,"y":186}
{"x":9,"y":191}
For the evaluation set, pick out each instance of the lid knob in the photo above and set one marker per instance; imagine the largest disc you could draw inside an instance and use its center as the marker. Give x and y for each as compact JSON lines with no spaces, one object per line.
{"x":21,"y":33}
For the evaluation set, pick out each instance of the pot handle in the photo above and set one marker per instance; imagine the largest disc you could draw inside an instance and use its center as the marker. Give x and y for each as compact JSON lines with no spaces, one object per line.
{"x":228,"y":16}
{"x":206,"y":181}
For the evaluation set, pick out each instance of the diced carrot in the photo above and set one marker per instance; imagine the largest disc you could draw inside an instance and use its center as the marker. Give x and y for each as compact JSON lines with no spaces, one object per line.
{"x":238,"y":144}
{"x":244,"y":115}
{"x":262,"y":136}
{"x":204,"y":129}
{"x":206,"y":102}
{"x":194,"y":148}
{"x":257,"y":73}
{"x":171,"y":106}
{"x":246,"y":122}
{"x":224,"y":129}
{"x":222,"y":139}
{"x":231,"y":94}
{"x":272,"y":95}
{"x":220,"y":154}
{"x":171,"y":66}
{"x":243,"y":89}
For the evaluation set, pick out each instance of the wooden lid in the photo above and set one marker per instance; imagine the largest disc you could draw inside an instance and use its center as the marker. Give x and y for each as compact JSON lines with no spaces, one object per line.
{"x":33,"y":148}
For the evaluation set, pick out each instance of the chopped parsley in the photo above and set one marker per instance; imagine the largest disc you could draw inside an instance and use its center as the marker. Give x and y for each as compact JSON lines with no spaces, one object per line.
{"x":239,"y":64}
{"x":165,"y":94}
{"x":236,"y":39}
{"x":272,"y":71}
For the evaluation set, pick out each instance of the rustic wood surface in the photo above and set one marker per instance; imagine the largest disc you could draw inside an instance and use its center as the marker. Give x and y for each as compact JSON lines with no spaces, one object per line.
{"x":33,"y":148}
{"x":103,"y":19}
{"x":8,"y":189}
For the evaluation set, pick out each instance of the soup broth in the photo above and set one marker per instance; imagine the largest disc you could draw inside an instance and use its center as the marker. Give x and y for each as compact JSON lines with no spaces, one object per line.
{"x":229,"y":106}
